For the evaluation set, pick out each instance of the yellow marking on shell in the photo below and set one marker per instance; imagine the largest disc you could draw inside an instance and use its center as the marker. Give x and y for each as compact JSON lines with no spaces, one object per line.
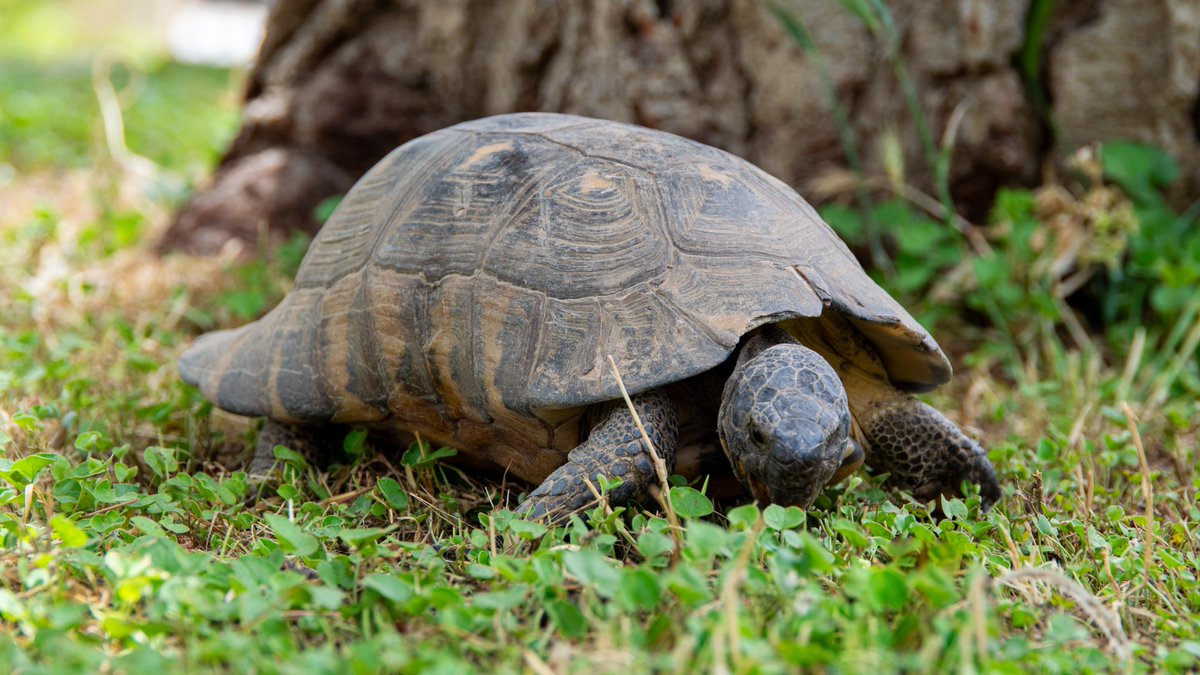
{"x":712,"y":175}
{"x":513,"y":428}
{"x":337,"y":326}
{"x":484,"y":152}
{"x":278,"y":411}
{"x":290,"y":311}
{"x":594,"y":182}
{"x":211,"y":385}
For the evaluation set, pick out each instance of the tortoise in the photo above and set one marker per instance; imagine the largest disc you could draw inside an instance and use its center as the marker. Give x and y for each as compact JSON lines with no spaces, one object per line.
{"x":472,"y":287}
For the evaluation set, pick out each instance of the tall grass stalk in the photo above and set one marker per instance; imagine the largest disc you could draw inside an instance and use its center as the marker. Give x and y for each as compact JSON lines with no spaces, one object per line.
{"x":939,"y":162}
{"x":799,"y":33}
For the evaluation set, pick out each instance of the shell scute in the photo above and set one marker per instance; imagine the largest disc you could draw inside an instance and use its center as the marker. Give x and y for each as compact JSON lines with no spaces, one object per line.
{"x":482,"y":275}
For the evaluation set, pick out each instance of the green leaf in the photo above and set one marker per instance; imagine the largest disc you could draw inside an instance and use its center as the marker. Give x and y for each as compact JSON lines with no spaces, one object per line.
{"x":355,"y":443}
{"x":147,"y":526}
{"x":477,"y":571}
{"x":639,"y":589}
{"x":358,"y":537}
{"x":567,"y":617}
{"x":847,"y":222}
{"x":703,"y":540}
{"x":1047,"y":451}
{"x":9,"y":495}
{"x":88,"y":440}
{"x":690,"y":503}
{"x":816,"y":557}
{"x":289,"y":456}
{"x":507,"y":599}
{"x":337,"y":572}
{"x":1045,"y":527}
{"x":1170,"y":560}
{"x":954,"y":509}
{"x":852,"y":533}
{"x":26,"y":421}
{"x":291,"y":536}
{"x":326,"y":597}
{"x":888,"y":588}
{"x":593,"y":569}
{"x":391,"y":587}
{"x":392,"y":493}
{"x":66,"y":531}
{"x":416,"y":456}
{"x":326,"y":208}
{"x":743,"y":517}
{"x":653,"y":544}
{"x":27,"y":469}
{"x":936,"y":585}
{"x":1141,"y":170}
{"x":779,"y":518}
{"x":687,"y":584}
{"x":244,"y":304}
{"x":161,"y":461}
{"x":527,"y":530}
{"x":1064,"y":629}
{"x":170,"y":525}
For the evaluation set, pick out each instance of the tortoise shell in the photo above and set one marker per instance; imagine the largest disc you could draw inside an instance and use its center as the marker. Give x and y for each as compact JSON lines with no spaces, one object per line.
{"x":472,"y":285}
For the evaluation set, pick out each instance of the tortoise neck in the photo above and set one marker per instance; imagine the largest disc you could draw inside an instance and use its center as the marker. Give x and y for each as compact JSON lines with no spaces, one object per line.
{"x":759,"y":340}
{"x":753,"y":343}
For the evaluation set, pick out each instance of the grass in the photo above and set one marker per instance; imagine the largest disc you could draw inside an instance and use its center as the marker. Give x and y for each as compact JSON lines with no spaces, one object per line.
{"x":34,"y":134}
{"x":132,"y":543}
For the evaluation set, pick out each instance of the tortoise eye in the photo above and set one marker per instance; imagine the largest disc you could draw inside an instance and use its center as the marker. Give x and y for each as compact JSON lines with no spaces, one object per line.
{"x":756,"y":436}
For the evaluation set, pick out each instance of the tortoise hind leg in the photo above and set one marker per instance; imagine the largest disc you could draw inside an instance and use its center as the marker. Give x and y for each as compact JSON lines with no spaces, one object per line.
{"x":318,"y":444}
{"x":614,"y":449}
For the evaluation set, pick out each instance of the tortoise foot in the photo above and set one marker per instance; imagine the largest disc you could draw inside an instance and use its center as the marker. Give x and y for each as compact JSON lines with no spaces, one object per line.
{"x":613,"y":449}
{"x":926,"y":453}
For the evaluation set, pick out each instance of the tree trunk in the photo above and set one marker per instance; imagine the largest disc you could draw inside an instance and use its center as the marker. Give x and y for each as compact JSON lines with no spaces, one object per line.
{"x":339,"y":83}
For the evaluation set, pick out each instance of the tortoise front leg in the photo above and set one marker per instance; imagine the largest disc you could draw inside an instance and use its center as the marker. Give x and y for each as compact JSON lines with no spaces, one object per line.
{"x":923,"y":451}
{"x":613,"y":449}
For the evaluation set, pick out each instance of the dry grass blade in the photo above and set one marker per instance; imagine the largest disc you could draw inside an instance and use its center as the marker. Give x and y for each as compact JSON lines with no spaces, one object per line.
{"x":730,"y":601}
{"x":977,"y":604}
{"x":1106,"y":620}
{"x":836,"y":182}
{"x":109,"y":101}
{"x":1147,"y":494}
{"x":660,"y":467}
{"x":1132,"y":362}
{"x":965,"y":228}
{"x":536,"y":664}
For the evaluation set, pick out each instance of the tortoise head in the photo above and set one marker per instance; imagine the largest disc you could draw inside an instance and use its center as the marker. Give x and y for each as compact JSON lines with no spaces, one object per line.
{"x":785,"y":423}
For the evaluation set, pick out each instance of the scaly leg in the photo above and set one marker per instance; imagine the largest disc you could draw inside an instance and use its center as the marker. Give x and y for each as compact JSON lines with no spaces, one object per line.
{"x":614,"y":449}
{"x":318,"y":444}
{"x":924,"y":452}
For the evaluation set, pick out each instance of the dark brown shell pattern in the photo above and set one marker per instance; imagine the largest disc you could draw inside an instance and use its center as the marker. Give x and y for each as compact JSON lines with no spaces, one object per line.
{"x":486,"y":271}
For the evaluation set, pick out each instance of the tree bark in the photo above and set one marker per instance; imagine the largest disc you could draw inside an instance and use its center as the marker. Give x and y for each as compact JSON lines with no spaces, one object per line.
{"x":339,"y":83}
